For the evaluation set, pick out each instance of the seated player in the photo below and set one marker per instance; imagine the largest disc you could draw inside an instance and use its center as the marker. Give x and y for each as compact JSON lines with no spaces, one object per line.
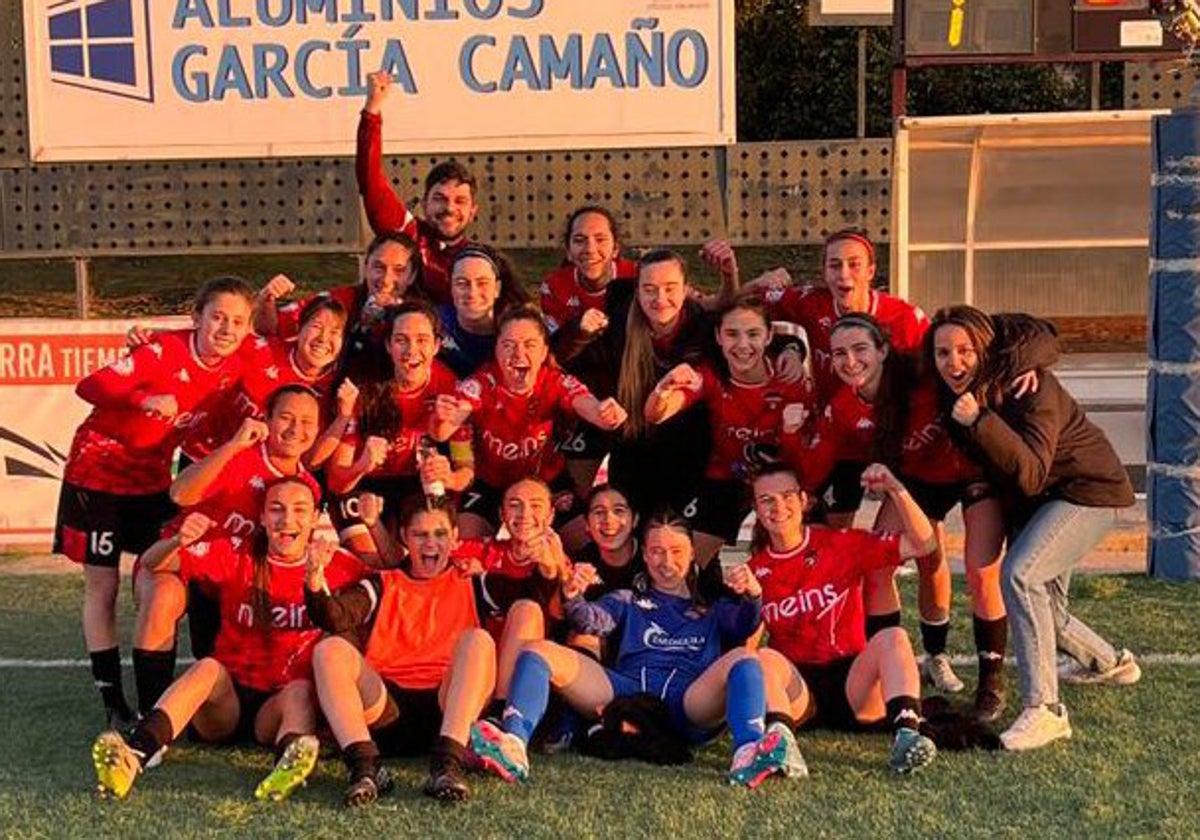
{"x":410,"y":667}
{"x":228,"y":487}
{"x":665,"y":643}
{"x":812,"y":579}
{"x":257,"y":684}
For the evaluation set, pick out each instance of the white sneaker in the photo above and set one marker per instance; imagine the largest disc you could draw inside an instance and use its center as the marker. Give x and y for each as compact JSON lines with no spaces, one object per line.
{"x":939,"y":673}
{"x":1126,"y":671}
{"x":1036,"y":727}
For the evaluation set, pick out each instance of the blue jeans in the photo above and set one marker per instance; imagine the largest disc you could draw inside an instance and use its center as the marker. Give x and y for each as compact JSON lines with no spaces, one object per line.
{"x":1034,"y":577}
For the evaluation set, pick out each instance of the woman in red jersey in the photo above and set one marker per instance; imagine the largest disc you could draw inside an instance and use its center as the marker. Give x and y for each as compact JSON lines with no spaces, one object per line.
{"x":257,"y":685}
{"x":575,"y":304}
{"x":388,"y":449}
{"x":515,"y":404}
{"x":888,"y":411}
{"x":749,"y":406}
{"x":812,"y":583}
{"x":114,"y":493}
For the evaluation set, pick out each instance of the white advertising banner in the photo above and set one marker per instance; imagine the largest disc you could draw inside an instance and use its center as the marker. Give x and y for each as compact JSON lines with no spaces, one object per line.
{"x":171,"y":79}
{"x":40,"y":362}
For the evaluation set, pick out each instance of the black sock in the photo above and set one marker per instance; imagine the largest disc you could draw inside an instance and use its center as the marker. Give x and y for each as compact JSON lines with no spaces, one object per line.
{"x":153,"y":732}
{"x":283,"y":742}
{"x":153,"y":673}
{"x":991,"y":639}
{"x":447,"y":753}
{"x":904,"y":712}
{"x":875,"y":623}
{"x":106,"y":673}
{"x":933,"y":636}
{"x":780,"y":717}
{"x":495,"y":709}
{"x":362,"y":759}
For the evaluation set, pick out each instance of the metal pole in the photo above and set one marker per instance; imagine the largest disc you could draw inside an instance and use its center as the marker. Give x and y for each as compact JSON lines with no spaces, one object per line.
{"x":1094,"y":85}
{"x":862,"y":83}
{"x":83,"y":290}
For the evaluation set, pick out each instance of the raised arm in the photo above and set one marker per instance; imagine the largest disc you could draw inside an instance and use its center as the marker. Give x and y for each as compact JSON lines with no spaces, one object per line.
{"x":386,"y":213}
{"x":163,"y":556}
{"x":681,"y":387}
{"x":918,"y":537}
{"x":195,"y":483}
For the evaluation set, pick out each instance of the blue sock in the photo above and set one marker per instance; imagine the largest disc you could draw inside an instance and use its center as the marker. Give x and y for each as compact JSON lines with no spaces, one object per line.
{"x":527,"y":696}
{"x":746,"y":702}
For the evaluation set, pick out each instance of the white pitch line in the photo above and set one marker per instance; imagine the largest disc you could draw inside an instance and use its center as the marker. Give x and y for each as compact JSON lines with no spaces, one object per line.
{"x":959,"y":660}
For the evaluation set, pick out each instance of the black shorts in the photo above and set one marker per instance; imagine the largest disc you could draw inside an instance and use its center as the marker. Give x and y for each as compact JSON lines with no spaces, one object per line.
{"x":720,"y":508}
{"x":937,"y":500}
{"x":250,"y":703}
{"x":95,"y":527}
{"x":484,"y":501}
{"x":827,"y":691}
{"x":343,"y":509}
{"x":843,"y":492}
{"x":410,"y":723}
{"x":585,"y":443}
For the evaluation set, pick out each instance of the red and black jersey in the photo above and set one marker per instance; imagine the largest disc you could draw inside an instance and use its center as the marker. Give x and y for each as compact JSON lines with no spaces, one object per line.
{"x":120,"y":448}
{"x":288,"y":314}
{"x":514,"y":433}
{"x":564,"y":297}
{"x":743,"y":415}
{"x":387,"y":213}
{"x":416,"y":414}
{"x":812,"y":595}
{"x":267,"y":365}
{"x":846,"y":432}
{"x":235,"y":500}
{"x":814,"y":309}
{"x":263,"y":658}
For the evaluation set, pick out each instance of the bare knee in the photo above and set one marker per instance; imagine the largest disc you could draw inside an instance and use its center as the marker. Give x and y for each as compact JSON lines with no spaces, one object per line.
{"x":892,"y":642}
{"x":476,"y":642}
{"x":332,"y":653}
{"x":525,"y":617}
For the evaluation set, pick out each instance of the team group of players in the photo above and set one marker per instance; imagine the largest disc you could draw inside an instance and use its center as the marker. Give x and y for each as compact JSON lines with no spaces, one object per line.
{"x":529,"y":503}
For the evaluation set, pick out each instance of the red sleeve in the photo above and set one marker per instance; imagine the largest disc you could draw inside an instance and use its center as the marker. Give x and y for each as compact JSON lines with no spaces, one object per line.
{"x":815,"y":462}
{"x":344,"y":569}
{"x":211,"y":560}
{"x":787,"y":305}
{"x":386,"y":213}
{"x":566,"y":389}
{"x":122,"y":383}
{"x":554,"y":308}
{"x":474,"y":389}
{"x":914,"y":325}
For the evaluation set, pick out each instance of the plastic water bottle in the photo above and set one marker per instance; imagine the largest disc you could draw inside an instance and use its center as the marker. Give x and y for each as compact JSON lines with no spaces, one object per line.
{"x":427,"y":449}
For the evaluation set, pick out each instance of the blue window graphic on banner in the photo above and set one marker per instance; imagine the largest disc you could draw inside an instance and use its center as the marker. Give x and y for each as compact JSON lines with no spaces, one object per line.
{"x":102,"y":45}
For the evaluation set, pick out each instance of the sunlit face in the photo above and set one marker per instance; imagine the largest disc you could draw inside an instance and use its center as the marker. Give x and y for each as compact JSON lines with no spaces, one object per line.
{"x":743,"y":337}
{"x":856,"y":359}
{"x":289,"y":515}
{"x":429,"y":538}
{"x":610,"y":521}
{"x":388,"y":273}
{"x":526,"y":511}
{"x":955,"y":357}
{"x":521,"y":351}
{"x":221,"y":325}
{"x":591,"y":246}
{"x":778,"y":503}
{"x":320,"y":340}
{"x":474,"y":288}
{"x":668,"y":553}
{"x":849,"y":271}
{"x":661,"y":292}
{"x":450,"y":207}
{"x":412,"y":346}
{"x":293,"y":425}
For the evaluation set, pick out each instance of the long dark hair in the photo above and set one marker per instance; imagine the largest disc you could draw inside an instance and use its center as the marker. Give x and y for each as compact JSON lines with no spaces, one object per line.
{"x":666,"y":517}
{"x":893,"y":402}
{"x":260,"y":581}
{"x":378,"y":410}
{"x":981,"y":330}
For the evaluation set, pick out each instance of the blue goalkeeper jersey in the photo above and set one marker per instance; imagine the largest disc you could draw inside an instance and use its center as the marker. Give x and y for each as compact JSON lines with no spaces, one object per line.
{"x":660,"y":637}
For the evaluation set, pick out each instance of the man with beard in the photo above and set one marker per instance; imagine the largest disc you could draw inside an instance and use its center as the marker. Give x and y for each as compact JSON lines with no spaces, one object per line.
{"x":448,"y":206}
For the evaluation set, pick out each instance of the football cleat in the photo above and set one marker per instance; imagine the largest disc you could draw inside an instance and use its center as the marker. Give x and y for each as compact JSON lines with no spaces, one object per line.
{"x":500,"y":752}
{"x":290,"y":771}
{"x":910,"y":751}
{"x":117,"y":765}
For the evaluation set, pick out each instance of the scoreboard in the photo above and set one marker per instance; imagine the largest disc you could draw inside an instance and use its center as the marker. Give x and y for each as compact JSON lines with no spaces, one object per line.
{"x":954,"y":31}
